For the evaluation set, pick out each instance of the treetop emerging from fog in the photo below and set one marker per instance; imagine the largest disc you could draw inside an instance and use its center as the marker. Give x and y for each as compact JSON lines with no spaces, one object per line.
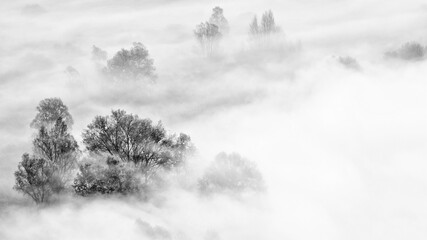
{"x":266,"y":27}
{"x":132,"y":64}
{"x":218,"y":19}
{"x":49,"y":111}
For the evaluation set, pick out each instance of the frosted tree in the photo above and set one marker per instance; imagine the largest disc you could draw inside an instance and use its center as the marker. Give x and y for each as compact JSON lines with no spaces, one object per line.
{"x":208,"y":35}
{"x":219,"y":20}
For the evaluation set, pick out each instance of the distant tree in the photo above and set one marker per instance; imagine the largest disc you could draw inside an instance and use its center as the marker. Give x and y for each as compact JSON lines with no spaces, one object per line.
{"x":33,"y":178}
{"x":231,"y":174}
{"x":98,"y":54}
{"x":133,"y":64}
{"x":266,"y":27}
{"x":409,"y":51}
{"x":219,"y":20}
{"x":49,"y":170}
{"x":72,"y":72}
{"x":136,"y":140}
{"x":254,"y":28}
{"x":349,"y":62}
{"x":49,"y":111}
{"x":208,"y":35}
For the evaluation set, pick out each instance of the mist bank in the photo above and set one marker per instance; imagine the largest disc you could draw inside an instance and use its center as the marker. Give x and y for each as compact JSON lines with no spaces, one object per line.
{"x":341,"y":148}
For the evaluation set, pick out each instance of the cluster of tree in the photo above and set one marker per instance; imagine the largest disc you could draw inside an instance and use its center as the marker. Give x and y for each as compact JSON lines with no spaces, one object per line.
{"x":125,"y":152}
{"x":266,"y":27}
{"x":409,"y":51}
{"x":210,"y":32}
{"x":133,"y":151}
{"x":230,"y":173}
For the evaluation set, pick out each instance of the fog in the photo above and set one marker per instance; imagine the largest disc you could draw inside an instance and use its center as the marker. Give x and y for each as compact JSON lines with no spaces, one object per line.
{"x":342,"y":150}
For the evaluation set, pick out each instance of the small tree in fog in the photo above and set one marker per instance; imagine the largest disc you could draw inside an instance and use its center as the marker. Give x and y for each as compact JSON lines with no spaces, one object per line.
{"x":254,"y":28}
{"x":134,"y":142}
{"x":50,"y":168}
{"x":98,"y":54}
{"x":133,"y":64}
{"x":49,"y":111}
{"x":208,"y":35}
{"x":266,"y":27}
{"x":33,"y":178}
{"x":219,"y":20}
{"x":231,"y":173}
{"x":349,"y":62}
{"x":409,"y":51}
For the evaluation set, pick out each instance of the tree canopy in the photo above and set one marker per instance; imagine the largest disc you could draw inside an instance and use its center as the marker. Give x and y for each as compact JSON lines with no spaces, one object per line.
{"x":49,"y":111}
{"x":129,"y":141}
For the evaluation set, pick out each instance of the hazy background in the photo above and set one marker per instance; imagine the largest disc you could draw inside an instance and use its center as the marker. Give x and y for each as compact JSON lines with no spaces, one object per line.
{"x":342,"y":151}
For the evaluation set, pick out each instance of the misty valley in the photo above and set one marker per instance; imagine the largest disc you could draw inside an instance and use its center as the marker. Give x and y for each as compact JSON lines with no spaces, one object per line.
{"x":213,"y":120}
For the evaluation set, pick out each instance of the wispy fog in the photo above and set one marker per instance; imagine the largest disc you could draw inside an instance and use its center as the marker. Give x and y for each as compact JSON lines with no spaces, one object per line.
{"x":336,"y":127}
